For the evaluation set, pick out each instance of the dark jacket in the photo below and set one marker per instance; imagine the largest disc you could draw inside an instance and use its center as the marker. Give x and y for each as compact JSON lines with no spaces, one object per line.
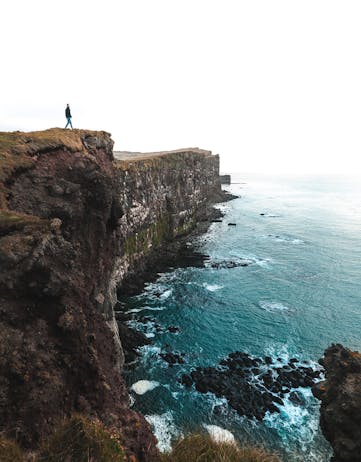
{"x":67,"y":112}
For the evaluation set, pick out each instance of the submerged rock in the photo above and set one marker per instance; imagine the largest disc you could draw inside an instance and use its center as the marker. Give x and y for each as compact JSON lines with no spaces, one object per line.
{"x":131,"y":340}
{"x":173,"y":329}
{"x":226,"y":264}
{"x":252,"y":386}
{"x":173,"y":358}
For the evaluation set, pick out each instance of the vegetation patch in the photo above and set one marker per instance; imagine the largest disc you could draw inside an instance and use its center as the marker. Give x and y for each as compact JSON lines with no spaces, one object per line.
{"x":146,"y":239}
{"x":81,"y":440}
{"x":10,"y":451}
{"x":18,"y":148}
{"x":11,"y":221}
{"x":201,"y":448}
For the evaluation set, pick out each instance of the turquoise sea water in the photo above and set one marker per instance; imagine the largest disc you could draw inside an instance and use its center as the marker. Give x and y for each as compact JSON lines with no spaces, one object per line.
{"x":301,"y":293}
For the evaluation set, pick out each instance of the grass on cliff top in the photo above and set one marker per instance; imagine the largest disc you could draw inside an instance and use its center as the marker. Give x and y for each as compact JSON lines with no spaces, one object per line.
{"x":81,"y":440}
{"x":201,"y":448}
{"x":170,"y":159}
{"x":52,"y":138}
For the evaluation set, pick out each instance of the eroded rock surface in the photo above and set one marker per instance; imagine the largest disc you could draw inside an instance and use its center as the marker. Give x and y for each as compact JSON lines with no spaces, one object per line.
{"x":73,"y":224}
{"x":340,"y":396}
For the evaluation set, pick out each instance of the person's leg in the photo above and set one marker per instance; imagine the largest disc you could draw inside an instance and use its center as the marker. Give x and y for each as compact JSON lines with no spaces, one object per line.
{"x":67,"y":123}
{"x":70,"y":123}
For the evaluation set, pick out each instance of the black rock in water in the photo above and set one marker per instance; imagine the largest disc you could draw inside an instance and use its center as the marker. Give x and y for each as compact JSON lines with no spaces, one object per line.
{"x":252,"y":386}
{"x":173,"y":329}
{"x":172,"y":358}
{"x":229,"y":264}
{"x":131,"y":340}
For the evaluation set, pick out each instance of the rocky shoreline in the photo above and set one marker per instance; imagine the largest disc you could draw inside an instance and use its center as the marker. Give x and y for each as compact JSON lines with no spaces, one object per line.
{"x":253,"y":386}
{"x":340,"y":396}
{"x":178,"y":253}
{"x":76,"y":225}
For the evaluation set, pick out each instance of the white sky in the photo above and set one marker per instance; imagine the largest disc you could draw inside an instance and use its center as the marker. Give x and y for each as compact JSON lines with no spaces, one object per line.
{"x":270,"y":85}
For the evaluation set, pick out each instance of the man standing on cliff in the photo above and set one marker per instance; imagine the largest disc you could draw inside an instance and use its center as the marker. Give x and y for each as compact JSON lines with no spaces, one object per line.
{"x":68,"y":116}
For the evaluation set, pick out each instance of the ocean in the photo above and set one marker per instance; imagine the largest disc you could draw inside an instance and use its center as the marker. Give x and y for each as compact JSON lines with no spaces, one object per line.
{"x":299,"y":292}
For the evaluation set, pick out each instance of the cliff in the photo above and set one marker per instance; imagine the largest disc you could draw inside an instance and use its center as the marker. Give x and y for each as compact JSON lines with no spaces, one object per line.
{"x":340,"y":396}
{"x":74,"y":222}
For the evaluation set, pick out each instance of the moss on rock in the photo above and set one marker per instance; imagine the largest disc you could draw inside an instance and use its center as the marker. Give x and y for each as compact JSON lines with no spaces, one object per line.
{"x":12,"y":221}
{"x":146,"y":239}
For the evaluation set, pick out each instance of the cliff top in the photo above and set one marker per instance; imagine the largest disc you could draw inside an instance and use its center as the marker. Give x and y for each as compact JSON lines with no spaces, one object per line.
{"x":19,"y":150}
{"x":16,"y":146}
{"x":128,"y":155}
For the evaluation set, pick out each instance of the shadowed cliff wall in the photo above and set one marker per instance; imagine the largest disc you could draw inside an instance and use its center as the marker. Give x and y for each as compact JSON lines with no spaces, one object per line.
{"x":73,"y":223}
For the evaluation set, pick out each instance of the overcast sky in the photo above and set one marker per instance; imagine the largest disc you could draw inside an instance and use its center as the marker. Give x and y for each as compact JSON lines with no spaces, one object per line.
{"x":270,"y":85}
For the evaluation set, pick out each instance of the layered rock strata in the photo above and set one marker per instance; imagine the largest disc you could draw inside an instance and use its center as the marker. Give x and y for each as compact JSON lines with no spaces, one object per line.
{"x":74,"y":222}
{"x":340,"y":396}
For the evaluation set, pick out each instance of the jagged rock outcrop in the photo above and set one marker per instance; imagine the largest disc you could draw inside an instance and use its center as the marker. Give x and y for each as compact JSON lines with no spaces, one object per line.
{"x":340,"y":395}
{"x":73,"y":223}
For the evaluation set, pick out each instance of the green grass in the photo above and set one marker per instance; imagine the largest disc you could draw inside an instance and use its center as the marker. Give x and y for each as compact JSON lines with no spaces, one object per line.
{"x":11,"y":222}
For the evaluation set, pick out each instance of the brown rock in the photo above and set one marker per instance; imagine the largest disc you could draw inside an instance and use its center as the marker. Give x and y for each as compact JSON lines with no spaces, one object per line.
{"x":73,"y":224}
{"x":340,"y":396}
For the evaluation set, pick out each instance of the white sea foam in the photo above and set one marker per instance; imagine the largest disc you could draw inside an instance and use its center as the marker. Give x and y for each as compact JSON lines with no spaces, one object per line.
{"x":158,"y":290}
{"x":274,"y":307}
{"x":212,"y":287}
{"x":166,"y":294}
{"x":142,"y":386}
{"x":146,"y":308}
{"x":263,"y":262}
{"x":135,"y":310}
{"x":149,"y":335}
{"x":131,"y":400}
{"x":295,"y":422}
{"x":288,"y":239}
{"x":219,"y":435}
{"x":149,"y":351}
{"x":297,"y":241}
{"x":222,"y":207}
{"x":164,"y":430}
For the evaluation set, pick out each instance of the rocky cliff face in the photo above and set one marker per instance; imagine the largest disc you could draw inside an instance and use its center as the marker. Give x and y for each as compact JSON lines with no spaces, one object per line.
{"x":73,"y":223}
{"x":340,"y":395}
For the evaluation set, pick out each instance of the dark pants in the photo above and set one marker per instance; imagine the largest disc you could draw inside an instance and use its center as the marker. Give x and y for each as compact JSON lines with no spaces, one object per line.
{"x":69,"y":122}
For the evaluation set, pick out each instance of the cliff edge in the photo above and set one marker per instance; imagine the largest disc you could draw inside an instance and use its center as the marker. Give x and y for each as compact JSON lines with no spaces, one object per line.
{"x":340,"y":396}
{"x":74,"y":222}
